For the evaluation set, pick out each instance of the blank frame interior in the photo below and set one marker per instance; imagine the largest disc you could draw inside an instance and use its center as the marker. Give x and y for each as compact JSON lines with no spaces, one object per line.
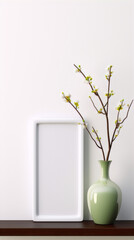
{"x":58,"y":185}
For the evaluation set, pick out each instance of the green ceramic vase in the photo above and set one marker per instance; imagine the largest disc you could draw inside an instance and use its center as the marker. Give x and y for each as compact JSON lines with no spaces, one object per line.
{"x":104,"y":197}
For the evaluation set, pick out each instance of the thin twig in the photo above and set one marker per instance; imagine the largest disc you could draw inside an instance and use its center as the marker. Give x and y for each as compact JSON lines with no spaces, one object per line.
{"x":117,"y":125}
{"x":80,"y":71}
{"x":105,"y":108}
{"x":99,"y":142}
{"x":83,"y":120}
{"x":117,"y":134}
{"x":97,"y":94}
{"x":95,"y":106}
{"x":109,"y":78}
{"x":106,"y":102}
{"x":127,"y":112}
{"x":107,"y":118}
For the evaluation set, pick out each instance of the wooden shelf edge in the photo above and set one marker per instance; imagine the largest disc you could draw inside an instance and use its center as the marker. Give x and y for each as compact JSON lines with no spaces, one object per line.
{"x":85,"y":228}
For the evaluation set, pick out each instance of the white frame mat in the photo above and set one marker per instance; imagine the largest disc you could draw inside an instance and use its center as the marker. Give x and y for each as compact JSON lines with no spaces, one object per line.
{"x":58,"y":170}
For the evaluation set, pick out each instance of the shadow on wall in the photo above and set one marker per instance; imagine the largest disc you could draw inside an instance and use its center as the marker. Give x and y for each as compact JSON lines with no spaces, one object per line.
{"x":86,"y":174}
{"x":127,"y":212}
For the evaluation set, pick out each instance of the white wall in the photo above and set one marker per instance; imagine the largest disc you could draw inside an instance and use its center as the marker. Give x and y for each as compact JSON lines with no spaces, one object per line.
{"x":39,"y":42}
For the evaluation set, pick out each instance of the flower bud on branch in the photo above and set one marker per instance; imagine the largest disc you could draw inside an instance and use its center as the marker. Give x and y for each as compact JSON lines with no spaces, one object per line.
{"x":104,"y":109}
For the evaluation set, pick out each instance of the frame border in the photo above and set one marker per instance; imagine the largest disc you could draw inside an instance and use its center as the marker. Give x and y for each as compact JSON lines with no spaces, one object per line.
{"x":58,"y":218}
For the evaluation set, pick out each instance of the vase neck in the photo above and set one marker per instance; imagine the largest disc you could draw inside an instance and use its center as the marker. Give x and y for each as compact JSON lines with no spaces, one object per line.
{"x":105,"y":168}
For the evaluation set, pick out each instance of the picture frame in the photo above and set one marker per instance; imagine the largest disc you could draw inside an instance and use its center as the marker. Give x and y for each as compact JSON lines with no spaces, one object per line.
{"x":58,"y":170}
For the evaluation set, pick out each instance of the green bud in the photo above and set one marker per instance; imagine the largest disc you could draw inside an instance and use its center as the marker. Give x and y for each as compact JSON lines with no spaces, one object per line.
{"x":119,"y":107}
{"x":79,"y":68}
{"x":100,"y":111}
{"x":98,"y":138}
{"x":95,"y":90}
{"x":68,"y":98}
{"x":88,"y":78}
{"x":76,"y":104}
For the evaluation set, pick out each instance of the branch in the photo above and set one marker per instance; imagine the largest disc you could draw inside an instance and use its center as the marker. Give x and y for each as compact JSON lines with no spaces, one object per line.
{"x":98,"y":111}
{"x":107,"y":105}
{"x":99,"y":139}
{"x":107,"y":121}
{"x":127,"y":112}
{"x":116,"y":127}
{"x":79,"y":70}
{"x":117,"y":133}
{"x":95,"y":91}
{"x":102,"y":104}
{"x":118,"y":124}
{"x":109,"y":78}
{"x":83,"y":120}
{"x":106,"y":102}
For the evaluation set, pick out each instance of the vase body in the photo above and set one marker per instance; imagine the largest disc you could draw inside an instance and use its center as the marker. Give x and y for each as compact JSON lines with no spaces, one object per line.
{"x":104,"y":197}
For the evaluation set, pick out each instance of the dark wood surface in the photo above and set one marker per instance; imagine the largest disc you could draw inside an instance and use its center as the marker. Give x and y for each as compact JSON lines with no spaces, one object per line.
{"x":85,"y":228}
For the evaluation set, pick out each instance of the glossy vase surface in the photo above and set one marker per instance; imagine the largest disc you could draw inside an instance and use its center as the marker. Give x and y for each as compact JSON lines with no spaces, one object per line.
{"x":104,"y":197}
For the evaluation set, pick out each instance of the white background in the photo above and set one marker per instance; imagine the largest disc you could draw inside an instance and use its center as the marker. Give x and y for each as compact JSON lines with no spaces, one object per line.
{"x":40,"y":40}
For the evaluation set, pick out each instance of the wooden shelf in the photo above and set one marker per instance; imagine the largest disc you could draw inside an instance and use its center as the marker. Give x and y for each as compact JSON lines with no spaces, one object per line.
{"x":85,"y":228}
